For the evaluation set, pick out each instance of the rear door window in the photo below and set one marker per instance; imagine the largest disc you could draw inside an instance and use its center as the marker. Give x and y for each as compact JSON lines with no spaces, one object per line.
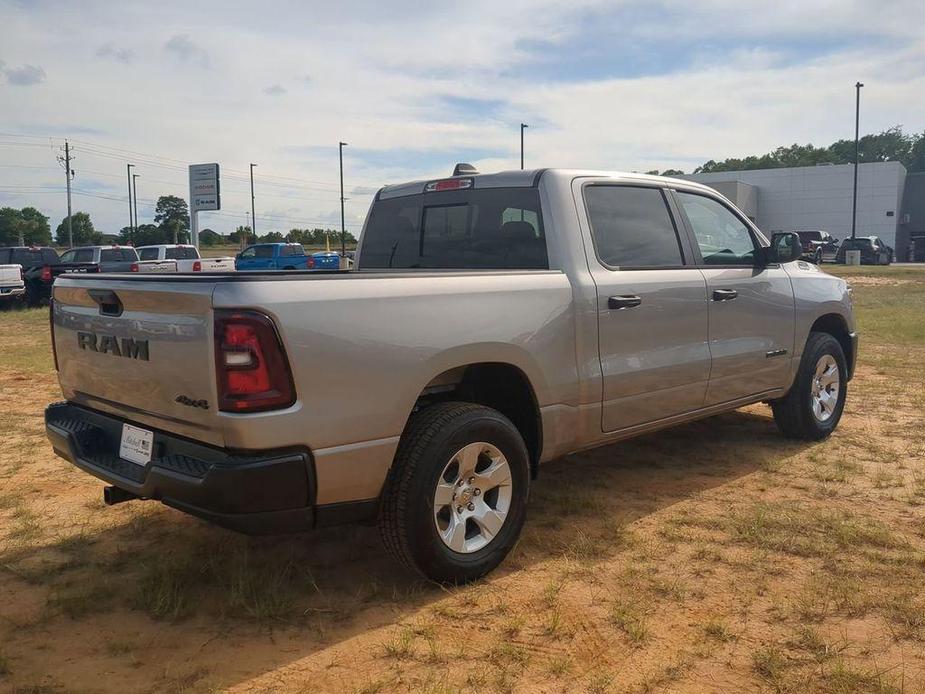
{"x":263,"y":251}
{"x":632,"y":227}
{"x":292,"y":249}
{"x":491,"y":228}
{"x":27,"y":257}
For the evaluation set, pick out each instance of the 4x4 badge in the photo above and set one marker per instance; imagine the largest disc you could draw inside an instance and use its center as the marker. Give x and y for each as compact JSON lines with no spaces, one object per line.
{"x":189,"y":402}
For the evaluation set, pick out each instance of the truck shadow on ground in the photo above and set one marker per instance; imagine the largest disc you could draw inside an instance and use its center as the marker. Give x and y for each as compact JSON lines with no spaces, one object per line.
{"x":326,"y":586}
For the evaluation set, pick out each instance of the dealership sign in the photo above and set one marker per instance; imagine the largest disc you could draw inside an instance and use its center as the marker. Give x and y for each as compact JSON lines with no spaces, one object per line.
{"x":204,"y":192}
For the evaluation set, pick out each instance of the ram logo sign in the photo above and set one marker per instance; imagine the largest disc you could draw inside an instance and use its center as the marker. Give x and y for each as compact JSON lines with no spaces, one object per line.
{"x":109,"y":344}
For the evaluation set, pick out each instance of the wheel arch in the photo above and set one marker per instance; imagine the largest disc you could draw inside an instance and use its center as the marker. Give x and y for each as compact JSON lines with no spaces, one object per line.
{"x":500,"y":385}
{"x":834,"y":324}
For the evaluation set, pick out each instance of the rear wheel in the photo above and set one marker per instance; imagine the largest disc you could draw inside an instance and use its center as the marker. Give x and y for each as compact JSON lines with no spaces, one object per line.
{"x":813,"y":407}
{"x":456,"y":497}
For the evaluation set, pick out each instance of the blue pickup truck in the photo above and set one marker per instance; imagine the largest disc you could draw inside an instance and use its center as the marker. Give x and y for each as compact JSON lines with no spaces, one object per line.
{"x":272,"y":256}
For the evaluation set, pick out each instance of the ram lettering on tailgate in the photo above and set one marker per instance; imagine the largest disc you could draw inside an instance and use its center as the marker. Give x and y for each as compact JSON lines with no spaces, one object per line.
{"x":110,"y":344}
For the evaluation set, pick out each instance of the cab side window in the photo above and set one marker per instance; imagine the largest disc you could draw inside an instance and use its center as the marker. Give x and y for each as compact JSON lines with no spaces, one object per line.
{"x":249,"y":252}
{"x":722,"y":237}
{"x":632,"y":227}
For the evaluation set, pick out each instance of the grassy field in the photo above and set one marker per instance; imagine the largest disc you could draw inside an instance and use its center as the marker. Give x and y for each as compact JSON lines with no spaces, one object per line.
{"x":713,"y":557}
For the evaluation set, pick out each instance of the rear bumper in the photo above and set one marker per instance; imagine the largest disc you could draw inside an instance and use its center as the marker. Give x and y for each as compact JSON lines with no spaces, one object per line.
{"x":11,"y":292}
{"x":266,"y":492}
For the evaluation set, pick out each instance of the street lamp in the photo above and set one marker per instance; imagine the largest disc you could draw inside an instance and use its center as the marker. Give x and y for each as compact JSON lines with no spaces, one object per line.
{"x":857,"y":152}
{"x":253,"y":215}
{"x":343,"y":226}
{"x":128,"y":177}
{"x":135,"y":195}
{"x":523,"y":126}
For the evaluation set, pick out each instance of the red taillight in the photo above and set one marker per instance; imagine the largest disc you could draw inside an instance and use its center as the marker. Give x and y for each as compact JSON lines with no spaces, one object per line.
{"x":133,"y":267}
{"x":311,"y":262}
{"x":250,"y":364}
{"x":197,"y":266}
{"x":448,"y":184}
{"x":46,"y":273}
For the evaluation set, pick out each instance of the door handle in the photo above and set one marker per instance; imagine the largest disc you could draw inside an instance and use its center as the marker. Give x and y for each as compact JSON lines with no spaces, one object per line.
{"x":724,"y":294}
{"x":620,"y":302}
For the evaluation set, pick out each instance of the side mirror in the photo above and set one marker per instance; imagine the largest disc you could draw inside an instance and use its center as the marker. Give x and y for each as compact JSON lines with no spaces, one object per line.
{"x":785,"y":247}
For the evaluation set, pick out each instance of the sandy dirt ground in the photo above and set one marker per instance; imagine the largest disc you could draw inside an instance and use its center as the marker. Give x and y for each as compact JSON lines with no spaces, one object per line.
{"x":714,"y":557}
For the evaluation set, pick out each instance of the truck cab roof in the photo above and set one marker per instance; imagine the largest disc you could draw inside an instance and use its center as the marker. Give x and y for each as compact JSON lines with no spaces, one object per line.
{"x":530,"y":178}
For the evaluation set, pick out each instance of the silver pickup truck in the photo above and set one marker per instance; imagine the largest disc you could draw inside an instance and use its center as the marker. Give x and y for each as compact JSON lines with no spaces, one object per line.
{"x":493,"y":322}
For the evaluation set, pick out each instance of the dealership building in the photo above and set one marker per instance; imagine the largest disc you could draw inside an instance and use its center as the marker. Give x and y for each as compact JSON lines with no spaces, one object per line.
{"x":891,"y":202}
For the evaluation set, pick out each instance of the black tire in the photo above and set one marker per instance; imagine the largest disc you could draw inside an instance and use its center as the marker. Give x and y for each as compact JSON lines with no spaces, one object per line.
{"x":817,"y":257}
{"x":406,"y":520}
{"x":793,"y":413}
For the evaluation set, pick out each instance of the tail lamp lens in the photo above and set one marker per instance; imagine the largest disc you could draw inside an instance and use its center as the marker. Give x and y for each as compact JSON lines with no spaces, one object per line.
{"x":46,"y":273}
{"x":197,"y":266}
{"x":250,"y":363}
{"x":133,"y":267}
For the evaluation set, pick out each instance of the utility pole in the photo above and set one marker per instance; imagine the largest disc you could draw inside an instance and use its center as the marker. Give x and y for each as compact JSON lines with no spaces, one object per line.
{"x":128,"y":178}
{"x":69,"y":174}
{"x":857,"y":156}
{"x":135,"y":196}
{"x":253,"y":214}
{"x":523,"y":126}
{"x":343,"y":226}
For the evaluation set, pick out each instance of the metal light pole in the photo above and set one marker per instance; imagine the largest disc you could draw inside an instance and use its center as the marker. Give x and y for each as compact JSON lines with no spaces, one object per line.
{"x":253,"y":215}
{"x":70,"y":174}
{"x":343,"y":226}
{"x":523,"y":126}
{"x":857,"y":154}
{"x":135,"y":196}
{"x":128,"y":177}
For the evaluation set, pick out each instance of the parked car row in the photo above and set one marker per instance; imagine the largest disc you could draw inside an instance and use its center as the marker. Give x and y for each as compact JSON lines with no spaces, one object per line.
{"x":284,"y":256}
{"x":821,"y":247}
{"x":30,"y":271}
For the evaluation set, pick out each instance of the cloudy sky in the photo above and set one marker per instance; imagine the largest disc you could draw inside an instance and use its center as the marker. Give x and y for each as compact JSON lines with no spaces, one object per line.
{"x":415,"y":87}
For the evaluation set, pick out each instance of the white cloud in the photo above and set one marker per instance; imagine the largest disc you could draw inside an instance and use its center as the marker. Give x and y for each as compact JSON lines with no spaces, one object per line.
{"x":183,"y":47}
{"x":113,"y":52}
{"x":755,"y":78}
{"x":25,"y":76}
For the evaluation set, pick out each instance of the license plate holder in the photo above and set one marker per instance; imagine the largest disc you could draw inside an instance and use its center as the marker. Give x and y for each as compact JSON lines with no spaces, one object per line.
{"x":136,"y":445}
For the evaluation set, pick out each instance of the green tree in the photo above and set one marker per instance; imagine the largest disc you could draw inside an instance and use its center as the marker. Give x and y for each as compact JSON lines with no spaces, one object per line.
{"x":11,"y":223}
{"x":27,"y":225}
{"x":298,"y":236}
{"x":145,"y":235}
{"x":890,"y":145}
{"x":35,"y":227}
{"x":172,"y":215}
{"x":207,"y":237}
{"x":242,"y":233}
{"x":272,"y":237}
{"x":84,"y":233}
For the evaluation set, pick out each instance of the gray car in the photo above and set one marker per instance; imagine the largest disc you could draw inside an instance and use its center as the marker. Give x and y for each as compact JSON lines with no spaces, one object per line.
{"x":493,"y":322}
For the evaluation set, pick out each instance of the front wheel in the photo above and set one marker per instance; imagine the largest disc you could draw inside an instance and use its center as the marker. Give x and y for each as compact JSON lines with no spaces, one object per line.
{"x":813,"y":407}
{"x":456,"y":497}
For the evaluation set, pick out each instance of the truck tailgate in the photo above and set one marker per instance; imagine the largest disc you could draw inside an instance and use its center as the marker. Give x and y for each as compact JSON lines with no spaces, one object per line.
{"x":139,"y":350}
